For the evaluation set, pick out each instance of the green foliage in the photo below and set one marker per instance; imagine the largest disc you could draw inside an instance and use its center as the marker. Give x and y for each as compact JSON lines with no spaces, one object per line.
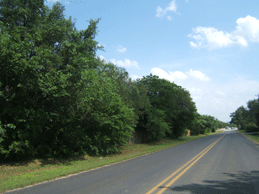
{"x":111,"y":119}
{"x":156,"y":124}
{"x":55,"y":101}
{"x":251,"y":127}
{"x":204,"y":124}
{"x":197,"y":125}
{"x":169,"y":98}
{"x":247,"y":118}
{"x":133,"y":95}
{"x":58,"y":99}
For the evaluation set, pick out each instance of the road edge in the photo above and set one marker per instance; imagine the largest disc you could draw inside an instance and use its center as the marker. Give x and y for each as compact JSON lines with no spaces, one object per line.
{"x":249,"y":138}
{"x":107,"y":165}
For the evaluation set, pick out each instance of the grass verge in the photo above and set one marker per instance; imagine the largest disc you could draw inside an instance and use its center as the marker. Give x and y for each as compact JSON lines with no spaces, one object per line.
{"x":253,"y":136}
{"x":18,"y":175}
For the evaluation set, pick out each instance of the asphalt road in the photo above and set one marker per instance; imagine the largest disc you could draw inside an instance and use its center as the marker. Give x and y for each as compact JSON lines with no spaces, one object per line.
{"x":223,"y":163}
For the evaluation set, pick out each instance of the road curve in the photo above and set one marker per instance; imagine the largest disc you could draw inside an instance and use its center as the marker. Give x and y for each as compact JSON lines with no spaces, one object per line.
{"x":223,"y":163}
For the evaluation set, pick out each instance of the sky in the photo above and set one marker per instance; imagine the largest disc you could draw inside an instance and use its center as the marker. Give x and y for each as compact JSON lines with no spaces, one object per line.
{"x":209,"y":47}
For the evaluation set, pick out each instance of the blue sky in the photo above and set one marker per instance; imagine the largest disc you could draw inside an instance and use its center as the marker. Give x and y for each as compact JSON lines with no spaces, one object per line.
{"x":209,"y":47}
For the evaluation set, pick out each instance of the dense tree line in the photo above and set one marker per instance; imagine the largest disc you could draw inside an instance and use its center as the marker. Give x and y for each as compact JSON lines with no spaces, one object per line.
{"x":247,"y":118}
{"x":205,"y":124}
{"x":58,"y":99}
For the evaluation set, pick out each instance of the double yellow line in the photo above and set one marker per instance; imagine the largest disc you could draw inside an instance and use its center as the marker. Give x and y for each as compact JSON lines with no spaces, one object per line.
{"x":192,"y":161}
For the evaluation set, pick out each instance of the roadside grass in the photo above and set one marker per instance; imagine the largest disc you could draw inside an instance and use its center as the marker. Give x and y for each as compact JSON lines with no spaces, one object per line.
{"x":254,"y":136}
{"x":21,"y":174}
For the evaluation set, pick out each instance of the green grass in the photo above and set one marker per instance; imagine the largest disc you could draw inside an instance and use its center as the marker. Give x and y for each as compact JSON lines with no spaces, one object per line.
{"x":253,"y":136}
{"x":18,"y":175}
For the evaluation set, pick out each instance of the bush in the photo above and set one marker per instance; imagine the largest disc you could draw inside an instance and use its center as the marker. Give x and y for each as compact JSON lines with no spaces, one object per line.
{"x":156,"y":124}
{"x":251,"y":127}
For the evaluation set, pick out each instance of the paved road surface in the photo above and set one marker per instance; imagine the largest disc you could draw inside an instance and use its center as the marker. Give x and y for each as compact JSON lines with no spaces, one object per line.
{"x":223,"y":163}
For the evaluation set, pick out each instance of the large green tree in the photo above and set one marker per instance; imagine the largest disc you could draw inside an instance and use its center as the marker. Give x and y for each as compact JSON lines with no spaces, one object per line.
{"x":247,"y":118}
{"x":171,"y":100}
{"x":240,"y":117}
{"x":253,"y":108}
{"x":51,"y":93}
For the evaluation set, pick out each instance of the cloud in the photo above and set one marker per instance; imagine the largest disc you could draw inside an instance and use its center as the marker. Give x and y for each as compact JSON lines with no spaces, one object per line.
{"x":103,"y":59}
{"x":247,"y":29}
{"x":53,"y":0}
{"x":198,"y":75}
{"x":171,"y":76}
{"x":179,"y":76}
{"x":169,"y":18}
{"x":121,"y":49}
{"x":159,"y":12}
{"x":210,"y":38}
{"x":170,"y":8}
{"x":134,"y":77}
{"x":126,"y":63}
{"x":213,"y":98}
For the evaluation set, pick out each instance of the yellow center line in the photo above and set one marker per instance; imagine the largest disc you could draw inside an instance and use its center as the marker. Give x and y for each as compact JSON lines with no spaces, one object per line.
{"x":179,"y":175}
{"x":202,"y":153}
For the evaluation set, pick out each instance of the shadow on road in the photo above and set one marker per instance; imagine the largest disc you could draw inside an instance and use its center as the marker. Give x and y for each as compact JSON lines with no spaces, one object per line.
{"x":242,"y":182}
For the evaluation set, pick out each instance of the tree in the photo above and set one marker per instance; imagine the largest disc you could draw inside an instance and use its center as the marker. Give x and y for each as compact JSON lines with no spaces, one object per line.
{"x":240,"y":117}
{"x":198,"y":124}
{"x":171,"y":99}
{"x":253,"y":109}
{"x":133,"y":95}
{"x":50,"y":87}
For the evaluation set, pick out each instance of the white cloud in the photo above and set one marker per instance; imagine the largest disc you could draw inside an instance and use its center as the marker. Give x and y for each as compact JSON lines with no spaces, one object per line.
{"x":134,"y":77}
{"x":172,"y":7}
{"x":179,"y":76}
{"x":171,"y":76}
{"x":162,"y":12}
{"x":169,"y":18}
{"x":247,"y":29}
{"x":121,"y":49}
{"x":194,"y":45}
{"x":159,"y":12}
{"x":102,"y":58}
{"x":210,"y":38}
{"x":126,"y":63}
{"x":198,"y":75}
{"x":53,"y":0}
